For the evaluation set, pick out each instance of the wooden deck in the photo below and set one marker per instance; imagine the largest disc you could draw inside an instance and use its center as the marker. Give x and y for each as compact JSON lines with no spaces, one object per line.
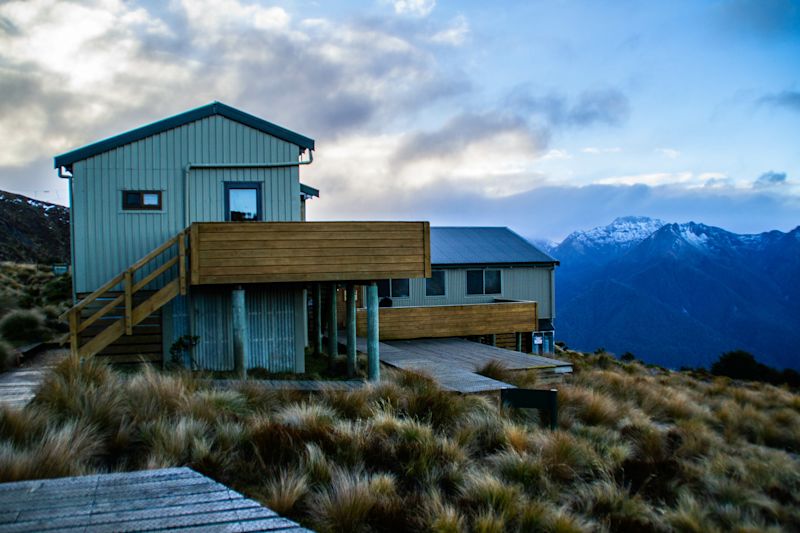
{"x":473,"y":355}
{"x":274,"y":252}
{"x":310,"y":385}
{"x":452,"y":362}
{"x":452,"y":320}
{"x":152,"y":500}
{"x":17,"y":386}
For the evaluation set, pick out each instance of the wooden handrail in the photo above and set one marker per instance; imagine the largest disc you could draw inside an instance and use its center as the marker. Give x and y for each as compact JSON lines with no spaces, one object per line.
{"x":132,"y":315}
{"x":94,"y":296}
{"x":154,"y":274}
{"x":152,"y":255}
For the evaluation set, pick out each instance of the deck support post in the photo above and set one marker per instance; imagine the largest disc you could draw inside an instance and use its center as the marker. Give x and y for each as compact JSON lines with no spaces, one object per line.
{"x":333,"y":327}
{"x":519,"y":341}
{"x":317,"y":318}
{"x":351,"y":329}
{"x":373,"y":346}
{"x":240,"y":344}
{"x":493,"y":339}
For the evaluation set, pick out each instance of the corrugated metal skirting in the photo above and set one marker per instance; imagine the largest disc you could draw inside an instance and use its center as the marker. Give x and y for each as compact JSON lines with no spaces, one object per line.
{"x":272,"y":327}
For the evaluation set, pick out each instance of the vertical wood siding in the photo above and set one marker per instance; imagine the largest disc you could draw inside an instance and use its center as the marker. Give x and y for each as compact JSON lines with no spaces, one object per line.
{"x":108,"y":239}
{"x":276,"y":342}
{"x":524,"y":283}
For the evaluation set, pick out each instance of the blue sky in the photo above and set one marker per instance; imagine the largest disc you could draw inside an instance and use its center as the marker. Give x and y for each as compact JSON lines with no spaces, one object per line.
{"x":547,"y":116}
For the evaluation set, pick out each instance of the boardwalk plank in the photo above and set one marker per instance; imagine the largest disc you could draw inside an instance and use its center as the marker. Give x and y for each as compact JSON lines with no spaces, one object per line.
{"x":155,"y":500}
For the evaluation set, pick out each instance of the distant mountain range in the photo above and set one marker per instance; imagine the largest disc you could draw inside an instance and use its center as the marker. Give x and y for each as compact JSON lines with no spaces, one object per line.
{"x":32,"y":231}
{"x":680,"y":294}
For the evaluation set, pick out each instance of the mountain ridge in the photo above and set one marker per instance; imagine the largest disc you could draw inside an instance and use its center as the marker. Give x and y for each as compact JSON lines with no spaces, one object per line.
{"x":33,"y":231}
{"x":710,"y":291}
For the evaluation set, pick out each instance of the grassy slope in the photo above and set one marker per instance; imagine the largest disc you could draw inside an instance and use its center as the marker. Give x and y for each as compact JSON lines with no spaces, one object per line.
{"x":637,"y":449}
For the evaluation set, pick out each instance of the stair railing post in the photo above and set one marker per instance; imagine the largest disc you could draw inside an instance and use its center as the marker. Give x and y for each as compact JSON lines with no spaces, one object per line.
{"x":182,"y":261}
{"x":74,"y":322}
{"x":128,"y":283}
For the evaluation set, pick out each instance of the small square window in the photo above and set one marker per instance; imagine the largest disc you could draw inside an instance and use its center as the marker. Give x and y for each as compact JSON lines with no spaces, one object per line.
{"x":492,"y":282}
{"x":400,"y":288}
{"x":434,"y":285}
{"x":474,"y":281}
{"x":141,"y":200}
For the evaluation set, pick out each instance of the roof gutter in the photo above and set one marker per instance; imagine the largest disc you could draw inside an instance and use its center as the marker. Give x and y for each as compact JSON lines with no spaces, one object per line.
{"x":188,"y":168}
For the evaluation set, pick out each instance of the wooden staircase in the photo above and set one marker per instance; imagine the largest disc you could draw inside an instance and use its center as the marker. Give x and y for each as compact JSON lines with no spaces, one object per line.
{"x":135,"y":304}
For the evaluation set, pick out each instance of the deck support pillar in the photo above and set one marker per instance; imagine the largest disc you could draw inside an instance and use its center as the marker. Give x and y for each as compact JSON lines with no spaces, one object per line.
{"x":333,"y":327}
{"x":351,"y":329}
{"x":317,"y":318}
{"x":373,"y":346}
{"x":240,"y":344}
{"x":519,"y":341}
{"x":493,"y":339}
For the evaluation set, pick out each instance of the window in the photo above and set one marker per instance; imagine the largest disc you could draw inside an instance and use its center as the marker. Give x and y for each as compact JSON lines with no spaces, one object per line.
{"x":434,"y":285}
{"x":474,"y":281}
{"x":384,"y":288}
{"x":491,"y":282}
{"x":141,"y":200}
{"x":400,"y":288}
{"x":395,"y":288}
{"x":242,"y":201}
{"x":484,"y":282}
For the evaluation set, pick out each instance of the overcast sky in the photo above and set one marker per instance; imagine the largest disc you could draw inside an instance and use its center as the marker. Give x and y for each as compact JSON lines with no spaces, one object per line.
{"x":546,"y":116}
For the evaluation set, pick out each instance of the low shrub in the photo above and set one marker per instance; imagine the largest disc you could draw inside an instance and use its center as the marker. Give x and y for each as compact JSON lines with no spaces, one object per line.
{"x":23,"y":326}
{"x":8,"y":357}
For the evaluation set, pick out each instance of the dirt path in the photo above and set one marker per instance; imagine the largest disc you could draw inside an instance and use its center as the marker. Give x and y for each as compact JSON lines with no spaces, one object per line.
{"x":17,"y":386}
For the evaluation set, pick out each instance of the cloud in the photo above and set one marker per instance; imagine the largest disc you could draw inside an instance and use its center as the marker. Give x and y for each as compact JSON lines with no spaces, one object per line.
{"x":670,"y":153}
{"x":418,"y":8}
{"x":594,"y":150}
{"x":786,"y":99}
{"x":71,"y":73}
{"x":552,"y":212}
{"x":597,"y":106}
{"x":455,"y":34}
{"x":770,"y":179}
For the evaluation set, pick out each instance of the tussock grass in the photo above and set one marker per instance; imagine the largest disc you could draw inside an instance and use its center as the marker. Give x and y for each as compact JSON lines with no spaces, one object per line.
{"x":638,"y":449}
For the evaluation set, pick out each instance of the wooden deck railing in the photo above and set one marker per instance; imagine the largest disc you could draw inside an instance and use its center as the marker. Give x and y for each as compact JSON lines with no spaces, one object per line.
{"x":276,"y":252}
{"x":133,"y":313}
{"x":461,"y":320}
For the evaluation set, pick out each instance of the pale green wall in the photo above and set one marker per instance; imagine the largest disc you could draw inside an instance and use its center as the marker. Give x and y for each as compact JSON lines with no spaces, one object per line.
{"x":108,"y":239}
{"x":523,"y":283}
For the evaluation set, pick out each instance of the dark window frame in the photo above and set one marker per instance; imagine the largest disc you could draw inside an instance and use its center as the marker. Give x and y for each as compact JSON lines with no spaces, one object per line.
{"x":407,"y":287}
{"x":386,"y":288}
{"x":483,"y":281}
{"x":231,"y":185}
{"x":444,"y":283}
{"x":140,"y":206}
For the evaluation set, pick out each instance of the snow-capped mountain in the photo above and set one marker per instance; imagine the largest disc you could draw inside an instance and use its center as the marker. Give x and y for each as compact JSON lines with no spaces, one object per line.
{"x":32,"y":231}
{"x":681,"y":294}
{"x":606,"y":242}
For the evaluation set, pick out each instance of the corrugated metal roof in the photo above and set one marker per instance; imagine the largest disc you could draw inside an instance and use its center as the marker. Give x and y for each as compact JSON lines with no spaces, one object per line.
{"x":214,"y":108}
{"x":482,"y":245}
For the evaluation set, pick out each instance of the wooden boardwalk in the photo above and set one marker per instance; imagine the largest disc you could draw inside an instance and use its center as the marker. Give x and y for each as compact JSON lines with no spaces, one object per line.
{"x":473,"y":355}
{"x":310,"y":385}
{"x":17,"y":386}
{"x":151,"y":500}
{"x":452,"y":362}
